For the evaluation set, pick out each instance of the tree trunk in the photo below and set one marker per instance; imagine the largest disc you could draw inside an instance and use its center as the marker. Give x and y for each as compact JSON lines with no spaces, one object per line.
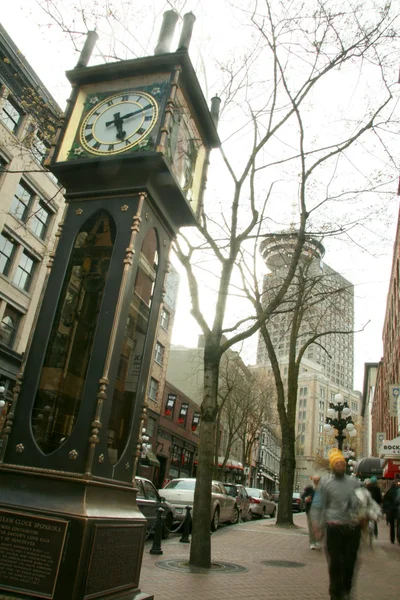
{"x":200,"y":548}
{"x":287,"y":469}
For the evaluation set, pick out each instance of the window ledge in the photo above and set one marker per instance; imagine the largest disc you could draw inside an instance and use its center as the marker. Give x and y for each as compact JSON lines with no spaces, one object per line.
{"x":27,"y":294}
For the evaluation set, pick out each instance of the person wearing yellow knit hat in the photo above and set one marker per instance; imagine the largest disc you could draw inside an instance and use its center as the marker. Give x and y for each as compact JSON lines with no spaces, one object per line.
{"x":332,"y":516}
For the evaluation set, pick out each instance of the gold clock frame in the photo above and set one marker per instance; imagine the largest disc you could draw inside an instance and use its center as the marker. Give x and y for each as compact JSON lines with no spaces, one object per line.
{"x":126,"y":148}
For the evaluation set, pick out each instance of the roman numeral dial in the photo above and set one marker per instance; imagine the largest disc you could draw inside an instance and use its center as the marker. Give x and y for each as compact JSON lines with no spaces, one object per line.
{"x":118,"y":123}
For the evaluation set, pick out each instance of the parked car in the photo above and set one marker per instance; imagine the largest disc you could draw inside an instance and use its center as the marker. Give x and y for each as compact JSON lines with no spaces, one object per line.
{"x":148,"y":501}
{"x":297,"y":502}
{"x":260,"y":503}
{"x":275,"y":497}
{"x":180,"y":493}
{"x":238,"y":491}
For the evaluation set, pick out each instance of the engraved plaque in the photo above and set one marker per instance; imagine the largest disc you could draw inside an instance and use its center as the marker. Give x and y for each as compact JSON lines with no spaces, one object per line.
{"x":30,"y":550}
{"x":116,"y":558}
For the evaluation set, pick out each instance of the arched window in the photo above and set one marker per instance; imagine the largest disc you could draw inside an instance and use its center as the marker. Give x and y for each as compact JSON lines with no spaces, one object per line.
{"x":63,"y":376}
{"x":130,"y":361}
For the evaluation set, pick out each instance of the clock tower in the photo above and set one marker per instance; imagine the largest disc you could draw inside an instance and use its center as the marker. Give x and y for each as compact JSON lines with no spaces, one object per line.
{"x":131,"y":155}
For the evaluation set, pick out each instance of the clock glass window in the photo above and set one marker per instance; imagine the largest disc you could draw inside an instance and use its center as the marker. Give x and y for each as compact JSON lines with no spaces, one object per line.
{"x":118,"y":123}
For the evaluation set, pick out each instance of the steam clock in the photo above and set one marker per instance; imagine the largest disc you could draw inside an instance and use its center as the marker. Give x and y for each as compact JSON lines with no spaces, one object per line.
{"x":131,"y":156}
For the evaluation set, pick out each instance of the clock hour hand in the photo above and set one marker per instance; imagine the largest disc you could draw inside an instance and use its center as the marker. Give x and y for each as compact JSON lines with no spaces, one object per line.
{"x":118,"y":122}
{"x":136,"y":112}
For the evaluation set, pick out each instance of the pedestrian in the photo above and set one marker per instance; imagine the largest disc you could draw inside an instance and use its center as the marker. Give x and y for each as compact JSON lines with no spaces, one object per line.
{"x":376,"y":494}
{"x":307,"y":496}
{"x":391,"y":506}
{"x":332,"y":514}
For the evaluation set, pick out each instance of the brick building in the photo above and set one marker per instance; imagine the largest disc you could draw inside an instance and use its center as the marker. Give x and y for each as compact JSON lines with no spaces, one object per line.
{"x":382,"y":418}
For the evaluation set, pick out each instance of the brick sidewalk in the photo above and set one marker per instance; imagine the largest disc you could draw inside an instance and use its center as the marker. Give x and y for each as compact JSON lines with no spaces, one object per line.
{"x":248,"y":545}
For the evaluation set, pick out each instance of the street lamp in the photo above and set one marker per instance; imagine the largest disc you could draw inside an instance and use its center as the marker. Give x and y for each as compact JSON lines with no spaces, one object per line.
{"x":2,"y":401}
{"x":338,"y":416}
{"x":145,"y":445}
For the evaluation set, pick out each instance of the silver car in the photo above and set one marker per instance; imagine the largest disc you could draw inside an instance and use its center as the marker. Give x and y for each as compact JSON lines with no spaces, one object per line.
{"x":260,"y":503}
{"x":180,"y":493}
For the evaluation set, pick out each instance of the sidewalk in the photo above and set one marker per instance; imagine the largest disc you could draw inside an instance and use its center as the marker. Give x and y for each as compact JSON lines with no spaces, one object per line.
{"x":249,"y":545}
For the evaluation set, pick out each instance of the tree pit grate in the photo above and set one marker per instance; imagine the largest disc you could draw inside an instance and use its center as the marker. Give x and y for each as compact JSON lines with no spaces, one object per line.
{"x":285,"y":564}
{"x":181,"y":565}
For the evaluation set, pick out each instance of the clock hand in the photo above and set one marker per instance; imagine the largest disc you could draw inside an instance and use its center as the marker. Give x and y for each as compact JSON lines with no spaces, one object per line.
{"x":114,"y":121}
{"x":131,"y":114}
{"x":117,"y":121}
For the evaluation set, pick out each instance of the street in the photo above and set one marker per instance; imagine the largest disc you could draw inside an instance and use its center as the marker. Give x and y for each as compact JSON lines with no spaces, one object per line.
{"x":250,"y":545}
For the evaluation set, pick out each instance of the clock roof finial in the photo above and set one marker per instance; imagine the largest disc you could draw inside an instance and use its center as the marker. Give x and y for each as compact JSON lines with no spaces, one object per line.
{"x":86,"y":52}
{"x":167,"y":31}
{"x":186,"y":33}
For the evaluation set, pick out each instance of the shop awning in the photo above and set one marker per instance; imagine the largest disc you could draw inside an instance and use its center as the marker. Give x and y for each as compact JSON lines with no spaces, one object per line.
{"x":367,"y":467}
{"x":230,"y":463}
{"x":150,"y":459}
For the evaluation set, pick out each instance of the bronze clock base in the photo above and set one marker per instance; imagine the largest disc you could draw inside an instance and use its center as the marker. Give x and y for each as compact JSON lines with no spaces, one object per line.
{"x":68,"y":538}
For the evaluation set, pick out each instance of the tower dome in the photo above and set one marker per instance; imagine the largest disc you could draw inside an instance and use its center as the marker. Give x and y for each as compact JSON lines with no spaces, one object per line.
{"x":277,"y":249}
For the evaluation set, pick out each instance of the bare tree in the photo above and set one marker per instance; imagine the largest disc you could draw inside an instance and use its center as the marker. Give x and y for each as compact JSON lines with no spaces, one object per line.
{"x":314,"y":308}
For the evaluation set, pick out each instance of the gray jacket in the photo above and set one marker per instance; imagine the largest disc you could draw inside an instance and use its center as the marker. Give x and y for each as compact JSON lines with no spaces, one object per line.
{"x":332,"y":502}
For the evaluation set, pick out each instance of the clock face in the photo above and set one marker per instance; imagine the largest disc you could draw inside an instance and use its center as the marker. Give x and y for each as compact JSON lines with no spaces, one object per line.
{"x":118,"y":123}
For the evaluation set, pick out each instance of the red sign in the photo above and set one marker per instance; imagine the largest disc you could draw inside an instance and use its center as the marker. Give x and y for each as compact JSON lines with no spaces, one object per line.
{"x":392,"y":469}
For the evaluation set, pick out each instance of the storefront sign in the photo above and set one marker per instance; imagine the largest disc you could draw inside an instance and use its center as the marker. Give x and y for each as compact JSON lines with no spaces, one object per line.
{"x":392,"y":469}
{"x":394,"y":393}
{"x":390,"y":448}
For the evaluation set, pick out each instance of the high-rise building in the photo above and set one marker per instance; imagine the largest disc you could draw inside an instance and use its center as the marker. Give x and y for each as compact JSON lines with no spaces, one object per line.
{"x":319,"y":300}
{"x":30,"y":202}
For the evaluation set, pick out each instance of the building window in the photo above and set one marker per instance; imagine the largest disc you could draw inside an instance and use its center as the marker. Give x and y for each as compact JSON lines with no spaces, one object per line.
{"x":39,"y":221}
{"x":38,"y":147}
{"x":25,"y":270}
{"x":354,"y":407}
{"x":7,"y":249}
{"x":183,"y":412}
{"x":153,"y":389}
{"x":169,"y":406}
{"x":9,"y":326}
{"x":21,"y":202}
{"x":3,"y":165}
{"x":165,"y":319}
{"x":11,"y":115}
{"x":159,"y":353}
{"x":151,"y":426}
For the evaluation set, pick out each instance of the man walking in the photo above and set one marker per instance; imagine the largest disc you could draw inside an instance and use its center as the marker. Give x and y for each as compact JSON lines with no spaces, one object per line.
{"x":376,"y":494}
{"x":331,"y":513}
{"x":307,"y":496}
{"x":391,"y":506}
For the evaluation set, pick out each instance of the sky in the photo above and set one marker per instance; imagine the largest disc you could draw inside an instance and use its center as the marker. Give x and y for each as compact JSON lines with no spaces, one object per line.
{"x":366,"y":264}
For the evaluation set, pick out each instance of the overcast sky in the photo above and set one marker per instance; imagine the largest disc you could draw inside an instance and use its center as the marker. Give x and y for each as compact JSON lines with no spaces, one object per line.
{"x":367,"y":265}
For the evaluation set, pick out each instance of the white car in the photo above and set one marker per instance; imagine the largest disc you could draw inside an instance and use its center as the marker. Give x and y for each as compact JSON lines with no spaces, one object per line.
{"x":180,"y":493}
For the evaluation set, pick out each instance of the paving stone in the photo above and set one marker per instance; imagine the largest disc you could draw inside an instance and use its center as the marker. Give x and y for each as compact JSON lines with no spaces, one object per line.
{"x":250,"y":545}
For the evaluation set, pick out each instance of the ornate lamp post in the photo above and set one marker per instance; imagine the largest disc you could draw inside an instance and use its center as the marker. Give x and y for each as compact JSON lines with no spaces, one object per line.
{"x":350,"y":461}
{"x":339,"y":418}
